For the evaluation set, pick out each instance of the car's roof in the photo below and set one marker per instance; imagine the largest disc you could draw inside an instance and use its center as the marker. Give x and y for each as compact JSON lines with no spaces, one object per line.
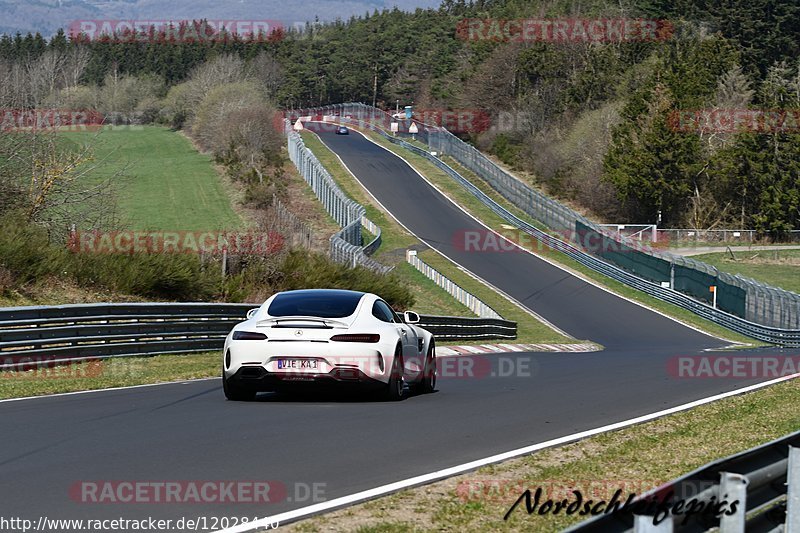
{"x":326,"y":303}
{"x":324,"y":292}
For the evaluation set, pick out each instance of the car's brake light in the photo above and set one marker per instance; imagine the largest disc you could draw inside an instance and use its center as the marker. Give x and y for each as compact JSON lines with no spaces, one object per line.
{"x":357,"y":337}
{"x":248,"y":336}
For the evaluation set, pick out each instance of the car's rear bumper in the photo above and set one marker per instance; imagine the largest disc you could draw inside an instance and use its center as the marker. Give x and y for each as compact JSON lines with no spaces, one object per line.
{"x":259,"y":378}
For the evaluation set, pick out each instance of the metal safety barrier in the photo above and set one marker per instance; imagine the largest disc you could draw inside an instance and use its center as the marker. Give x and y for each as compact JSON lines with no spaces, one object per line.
{"x":475,"y":304}
{"x":769,"y":305}
{"x":463,"y":328}
{"x":764,"y":482}
{"x":55,"y":334}
{"x":346,"y":244}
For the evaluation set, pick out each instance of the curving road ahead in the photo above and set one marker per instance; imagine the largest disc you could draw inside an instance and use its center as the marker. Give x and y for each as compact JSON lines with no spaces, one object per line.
{"x":579,"y":308}
{"x":187,"y":431}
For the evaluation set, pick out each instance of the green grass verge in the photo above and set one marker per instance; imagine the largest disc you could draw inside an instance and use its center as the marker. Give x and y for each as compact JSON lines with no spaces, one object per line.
{"x":634,"y":459}
{"x":430,"y":298}
{"x":393,"y":237}
{"x":106,"y":373}
{"x":165,"y":182}
{"x":474,"y":206}
{"x":528,"y":329}
{"x":779,"y":268}
{"x":723,"y":244}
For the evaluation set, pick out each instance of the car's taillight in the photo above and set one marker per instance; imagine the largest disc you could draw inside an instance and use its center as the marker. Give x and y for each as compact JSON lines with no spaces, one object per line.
{"x":248,"y":336}
{"x":357,"y":337}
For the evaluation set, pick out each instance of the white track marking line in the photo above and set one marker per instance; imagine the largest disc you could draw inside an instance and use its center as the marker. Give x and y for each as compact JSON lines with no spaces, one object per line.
{"x":105,"y":390}
{"x":358,"y":497}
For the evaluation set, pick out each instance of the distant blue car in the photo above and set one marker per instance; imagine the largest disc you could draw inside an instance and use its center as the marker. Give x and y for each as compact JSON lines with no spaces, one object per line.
{"x":341,"y":130}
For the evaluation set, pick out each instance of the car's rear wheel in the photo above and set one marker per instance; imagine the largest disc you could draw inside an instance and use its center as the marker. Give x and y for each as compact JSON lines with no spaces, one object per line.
{"x":236,"y":393}
{"x":395,"y":387}
{"x":429,"y":372}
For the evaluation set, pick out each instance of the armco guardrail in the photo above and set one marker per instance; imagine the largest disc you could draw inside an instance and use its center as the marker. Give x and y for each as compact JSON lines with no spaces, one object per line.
{"x":52,"y":334}
{"x":346,"y":244}
{"x":462,"y":328}
{"x":96,"y":331}
{"x":475,"y":304}
{"x":764,"y":481}
{"x":558,"y":215}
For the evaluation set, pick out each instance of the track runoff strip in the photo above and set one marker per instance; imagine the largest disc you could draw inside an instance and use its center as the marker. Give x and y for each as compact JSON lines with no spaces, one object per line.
{"x":359,"y":497}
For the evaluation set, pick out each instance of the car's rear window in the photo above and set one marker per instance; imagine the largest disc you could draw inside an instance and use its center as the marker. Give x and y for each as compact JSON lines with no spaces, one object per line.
{"x":322,"y":304}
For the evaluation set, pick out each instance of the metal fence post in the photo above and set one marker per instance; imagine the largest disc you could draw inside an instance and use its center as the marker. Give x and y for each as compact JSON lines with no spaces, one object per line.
{"x":224,"y":261}
{"x":733,"y":487}
{"x":793,"y":491}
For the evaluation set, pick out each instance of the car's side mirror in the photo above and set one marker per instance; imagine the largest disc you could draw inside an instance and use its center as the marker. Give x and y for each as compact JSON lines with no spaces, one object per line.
{"x":252,"y":312}
{"x":410,"y":317}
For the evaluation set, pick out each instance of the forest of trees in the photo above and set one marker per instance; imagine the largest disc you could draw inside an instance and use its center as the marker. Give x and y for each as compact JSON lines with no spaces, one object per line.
{"x":593,"y":121}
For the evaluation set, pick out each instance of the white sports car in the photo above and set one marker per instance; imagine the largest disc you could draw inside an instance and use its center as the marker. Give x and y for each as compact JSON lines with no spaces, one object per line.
{"x":327,"y":337}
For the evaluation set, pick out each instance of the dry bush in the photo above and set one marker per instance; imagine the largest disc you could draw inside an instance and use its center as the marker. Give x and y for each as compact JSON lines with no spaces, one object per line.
{"x":212,"y":127}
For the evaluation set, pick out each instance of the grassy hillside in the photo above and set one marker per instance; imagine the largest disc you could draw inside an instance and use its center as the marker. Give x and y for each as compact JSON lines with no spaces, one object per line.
{"x":165,"y":183}
{"x":779,"y":268}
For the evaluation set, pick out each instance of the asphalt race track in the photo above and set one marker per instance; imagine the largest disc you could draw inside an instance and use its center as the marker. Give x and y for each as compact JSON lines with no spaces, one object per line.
{"x":187,"y":431}
{"x":579,"y":308}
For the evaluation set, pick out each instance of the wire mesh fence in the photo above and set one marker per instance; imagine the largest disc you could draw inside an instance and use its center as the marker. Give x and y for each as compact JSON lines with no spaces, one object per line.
{"x":690,"y":237}
{"x":757,"y":302}
{"x":298,"y":233}
{"x":346,"y":245}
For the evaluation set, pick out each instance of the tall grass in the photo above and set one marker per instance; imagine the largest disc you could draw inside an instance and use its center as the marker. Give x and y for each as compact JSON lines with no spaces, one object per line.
{"x":26,"y":256}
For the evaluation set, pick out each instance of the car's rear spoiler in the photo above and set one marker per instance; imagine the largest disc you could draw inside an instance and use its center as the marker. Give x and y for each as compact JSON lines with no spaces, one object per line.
{"x":301,"y":322}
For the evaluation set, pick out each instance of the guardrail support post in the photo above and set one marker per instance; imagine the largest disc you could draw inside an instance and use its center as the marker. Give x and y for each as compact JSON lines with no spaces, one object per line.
{"x":672,"y":275}
{"x":733,"y":488}
{"x":644,"y":524}
{"x":793,"y":491}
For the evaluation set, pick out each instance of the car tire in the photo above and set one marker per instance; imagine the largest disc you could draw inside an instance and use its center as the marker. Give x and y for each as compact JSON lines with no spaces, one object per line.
{"x":395,"y":387}
{"x":236,"y":393}
{"x":428,"y":383}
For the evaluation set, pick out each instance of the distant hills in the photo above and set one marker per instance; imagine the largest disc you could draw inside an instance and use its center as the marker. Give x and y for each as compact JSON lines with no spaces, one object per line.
{"x":47,"y":16}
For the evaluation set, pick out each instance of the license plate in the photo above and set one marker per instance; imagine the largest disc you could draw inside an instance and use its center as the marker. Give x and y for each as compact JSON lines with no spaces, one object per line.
{"x":297,"y":364}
